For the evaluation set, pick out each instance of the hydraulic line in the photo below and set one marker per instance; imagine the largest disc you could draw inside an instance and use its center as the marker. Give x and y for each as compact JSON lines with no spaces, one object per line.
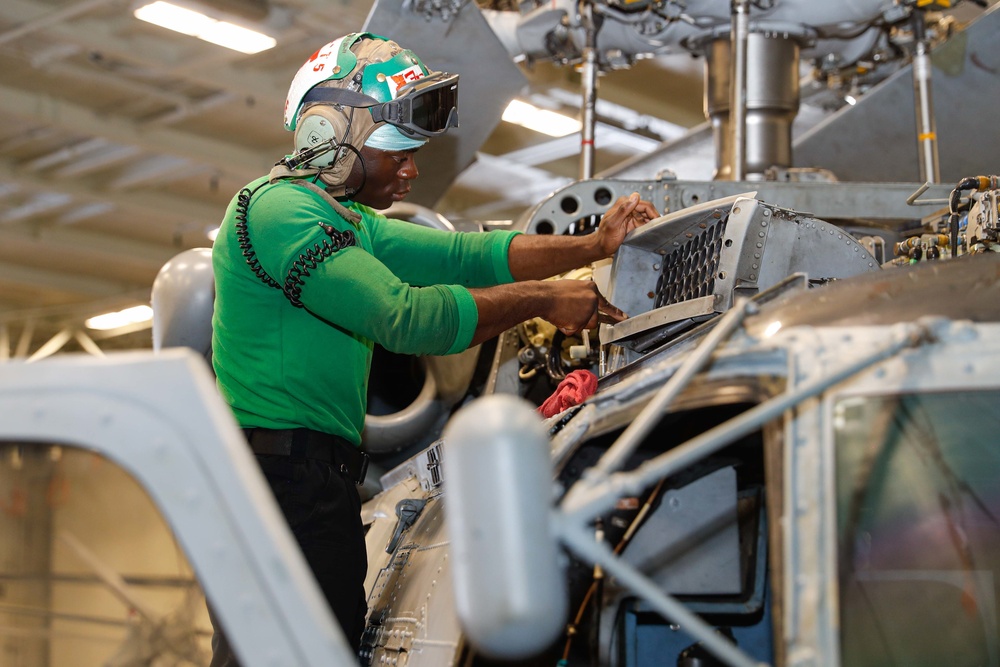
{"x":926,"y":130}
{"x":738,"y":101}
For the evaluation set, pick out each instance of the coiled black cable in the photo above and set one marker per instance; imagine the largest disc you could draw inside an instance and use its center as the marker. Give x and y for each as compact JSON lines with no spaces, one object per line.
{"x":243,"y":236}
{"x":312,"y":257}
{"x":306,"y":261}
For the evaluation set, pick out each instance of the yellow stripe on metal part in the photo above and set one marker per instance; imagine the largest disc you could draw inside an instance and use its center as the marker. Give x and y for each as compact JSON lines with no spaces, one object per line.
{"x":927,"y":136}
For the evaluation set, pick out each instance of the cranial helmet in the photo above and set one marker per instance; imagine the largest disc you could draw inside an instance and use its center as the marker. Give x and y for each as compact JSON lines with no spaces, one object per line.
{"x":364,"y":90}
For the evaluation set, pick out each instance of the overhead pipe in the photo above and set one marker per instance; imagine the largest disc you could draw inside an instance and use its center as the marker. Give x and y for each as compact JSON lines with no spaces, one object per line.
{"x":589,"y":82}
{"x":930,"y":169}
{"x":737,"y":93}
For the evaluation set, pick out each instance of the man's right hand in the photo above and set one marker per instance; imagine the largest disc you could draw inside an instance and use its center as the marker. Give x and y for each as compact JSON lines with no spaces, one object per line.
{"x":570,"y":305}
{"x":579,"y":305}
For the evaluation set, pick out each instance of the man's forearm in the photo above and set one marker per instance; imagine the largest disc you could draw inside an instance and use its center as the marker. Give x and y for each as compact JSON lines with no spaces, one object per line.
{"x":570,"y":305}
{"x":539,"y":256}
{"x":505,"y":306}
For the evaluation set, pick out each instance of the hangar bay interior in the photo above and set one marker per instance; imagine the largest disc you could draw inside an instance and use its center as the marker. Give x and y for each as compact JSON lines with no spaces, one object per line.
{"x":122,"y":143}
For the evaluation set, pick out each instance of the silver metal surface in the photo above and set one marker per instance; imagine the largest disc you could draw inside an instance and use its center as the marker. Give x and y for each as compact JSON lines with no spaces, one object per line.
{"x":657,"y":317}
{"x":885,"y":202}
{"x":770,"y":101}
{"x":724,"y":249}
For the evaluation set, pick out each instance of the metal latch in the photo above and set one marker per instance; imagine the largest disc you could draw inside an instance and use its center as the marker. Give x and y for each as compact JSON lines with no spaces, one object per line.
{"x":407,"y":510}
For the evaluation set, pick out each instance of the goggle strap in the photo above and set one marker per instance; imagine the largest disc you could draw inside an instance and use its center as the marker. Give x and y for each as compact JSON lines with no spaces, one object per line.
{"x":344,"y":96}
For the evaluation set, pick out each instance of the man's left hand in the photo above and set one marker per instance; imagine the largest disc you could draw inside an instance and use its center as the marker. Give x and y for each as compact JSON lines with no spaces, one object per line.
{"x":624,"y":215}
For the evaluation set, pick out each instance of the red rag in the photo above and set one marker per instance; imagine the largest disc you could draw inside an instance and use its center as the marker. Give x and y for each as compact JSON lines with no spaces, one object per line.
{"x":573,"y":390}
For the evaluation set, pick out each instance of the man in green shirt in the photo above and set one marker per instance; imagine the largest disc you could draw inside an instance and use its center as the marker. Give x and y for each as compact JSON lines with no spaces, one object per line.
{"x":309,"y":277}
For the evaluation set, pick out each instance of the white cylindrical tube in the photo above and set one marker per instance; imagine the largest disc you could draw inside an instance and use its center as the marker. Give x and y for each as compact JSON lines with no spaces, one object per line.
{"x":510,"y":587}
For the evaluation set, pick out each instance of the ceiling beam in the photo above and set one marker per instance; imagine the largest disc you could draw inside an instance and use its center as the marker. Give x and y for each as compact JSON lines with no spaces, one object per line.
{"x":160,"y":57}
{"x":102,"y":250}
{"x":244,"y":164}
{"x":68,"y":283}
{"x":184,"y":210}
{"x":48,"y":19}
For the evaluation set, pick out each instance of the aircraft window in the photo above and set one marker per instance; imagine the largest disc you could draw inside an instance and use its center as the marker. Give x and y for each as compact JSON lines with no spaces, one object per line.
{"x":90,"y":574}
{"x":918,"y":511}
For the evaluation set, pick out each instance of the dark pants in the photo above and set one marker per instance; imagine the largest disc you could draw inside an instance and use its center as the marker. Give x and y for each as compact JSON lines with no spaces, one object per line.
{"x":323,"y":509}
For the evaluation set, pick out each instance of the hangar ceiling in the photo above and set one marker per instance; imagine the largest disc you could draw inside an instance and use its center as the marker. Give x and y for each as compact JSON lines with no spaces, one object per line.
{"x":121,"y":144}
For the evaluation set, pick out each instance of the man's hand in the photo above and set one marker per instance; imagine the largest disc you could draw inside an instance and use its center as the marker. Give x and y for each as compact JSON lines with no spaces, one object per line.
{"x":570,"y":305}
{"x":578,"y":305}
{"x":624,"y":215}
{"x":538,"y":256}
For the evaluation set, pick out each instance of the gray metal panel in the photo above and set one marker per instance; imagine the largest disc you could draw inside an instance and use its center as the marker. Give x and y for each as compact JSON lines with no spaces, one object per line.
{"x":690,"y":544}
{"x":464,"y":45}
{"x":706,"y":256}
{"x":412,"y":601}
{"x":771,"y":243}
{"x":827,"y":201}
{"x":658,"y":317}
{"x":875,"y":140}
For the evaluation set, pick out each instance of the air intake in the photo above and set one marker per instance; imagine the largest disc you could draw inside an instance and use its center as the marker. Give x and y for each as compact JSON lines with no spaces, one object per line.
{"x":691,"y":265}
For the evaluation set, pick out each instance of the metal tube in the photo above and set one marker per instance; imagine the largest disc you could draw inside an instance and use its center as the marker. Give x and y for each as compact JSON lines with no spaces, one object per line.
{"x":589,"y":82}
{"x":737,"y":94}
{"x":640,"y":427}
{"x":52,"y":346}
{"x":580,"y":541}
{"x":602,"y":496}
{"x":930,"y":170}
{"x":50,"y":19}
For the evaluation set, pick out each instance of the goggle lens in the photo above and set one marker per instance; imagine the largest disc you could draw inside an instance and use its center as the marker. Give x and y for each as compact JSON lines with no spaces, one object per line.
{"x":433,"y":111}
{"x":430,"y":106}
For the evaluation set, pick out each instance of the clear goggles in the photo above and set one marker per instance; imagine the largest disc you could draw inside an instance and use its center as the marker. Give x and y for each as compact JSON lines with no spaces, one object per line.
{"x":426,"y":107}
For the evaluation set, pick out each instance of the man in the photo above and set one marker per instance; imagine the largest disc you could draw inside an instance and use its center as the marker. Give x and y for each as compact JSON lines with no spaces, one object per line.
{"x":309,"y":277}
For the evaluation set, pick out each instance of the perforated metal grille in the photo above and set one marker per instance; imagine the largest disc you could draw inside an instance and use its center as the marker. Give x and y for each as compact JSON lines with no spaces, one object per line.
{"x":689,"y":271}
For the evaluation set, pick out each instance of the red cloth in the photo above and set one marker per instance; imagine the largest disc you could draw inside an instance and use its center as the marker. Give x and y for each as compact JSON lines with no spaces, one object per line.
{"x":574,"y":390}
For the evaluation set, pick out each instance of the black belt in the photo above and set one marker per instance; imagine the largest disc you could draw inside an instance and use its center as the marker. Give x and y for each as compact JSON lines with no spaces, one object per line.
{"x":302,"y":443}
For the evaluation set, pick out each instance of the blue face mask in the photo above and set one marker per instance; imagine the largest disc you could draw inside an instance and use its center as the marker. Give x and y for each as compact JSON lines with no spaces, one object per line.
{"x":388,"y":138}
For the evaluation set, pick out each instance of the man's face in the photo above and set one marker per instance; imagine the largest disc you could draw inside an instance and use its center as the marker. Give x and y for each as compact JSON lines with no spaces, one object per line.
{"x":382,"y":176}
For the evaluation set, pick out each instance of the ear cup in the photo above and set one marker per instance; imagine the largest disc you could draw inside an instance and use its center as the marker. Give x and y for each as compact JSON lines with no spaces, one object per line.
{"x":318,"y":124}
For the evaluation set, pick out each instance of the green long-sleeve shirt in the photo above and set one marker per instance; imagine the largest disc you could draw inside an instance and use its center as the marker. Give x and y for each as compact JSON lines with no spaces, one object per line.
{"x":402,"y":286}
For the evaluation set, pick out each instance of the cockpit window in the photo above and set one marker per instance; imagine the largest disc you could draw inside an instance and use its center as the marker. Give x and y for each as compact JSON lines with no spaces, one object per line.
{"x":918,"y":517}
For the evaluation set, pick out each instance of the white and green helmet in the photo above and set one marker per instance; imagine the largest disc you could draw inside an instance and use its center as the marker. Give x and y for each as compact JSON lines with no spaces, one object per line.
{"x":405,"y":102}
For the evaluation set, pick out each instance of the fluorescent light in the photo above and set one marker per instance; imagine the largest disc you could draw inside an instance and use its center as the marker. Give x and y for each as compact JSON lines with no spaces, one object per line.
{"x":196,"y":24}
{"x":174,"y":18}
{"x":236,"y":38}
{"x":540,"y":120}
{"x":851,"y":99}
{"x":133,"y":315}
